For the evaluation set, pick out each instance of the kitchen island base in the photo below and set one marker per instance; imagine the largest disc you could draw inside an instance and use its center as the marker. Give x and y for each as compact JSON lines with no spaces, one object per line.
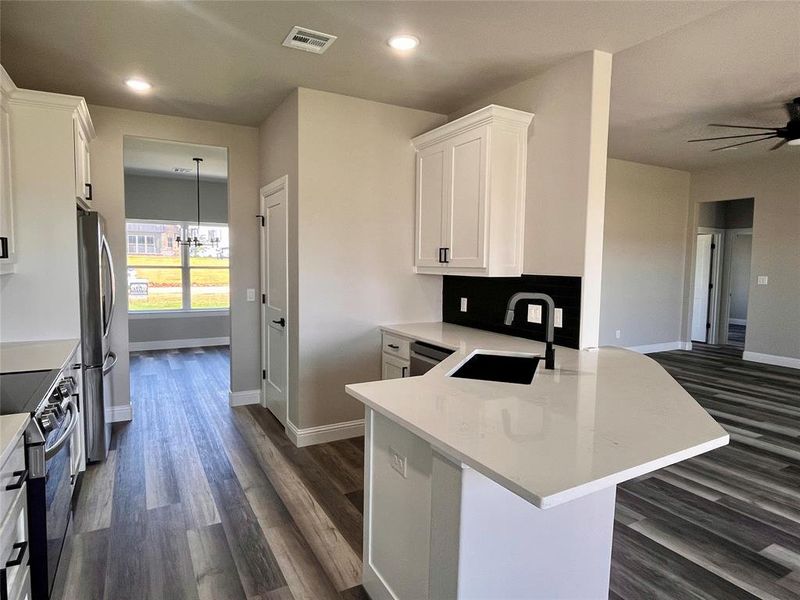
{"x":437,"y":529}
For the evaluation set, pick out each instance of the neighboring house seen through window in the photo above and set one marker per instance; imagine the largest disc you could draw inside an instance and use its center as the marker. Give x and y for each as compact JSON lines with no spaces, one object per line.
{"x":166,"y":277}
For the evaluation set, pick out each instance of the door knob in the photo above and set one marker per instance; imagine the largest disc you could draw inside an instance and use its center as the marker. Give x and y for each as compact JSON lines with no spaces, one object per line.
{"x":281,"y":322}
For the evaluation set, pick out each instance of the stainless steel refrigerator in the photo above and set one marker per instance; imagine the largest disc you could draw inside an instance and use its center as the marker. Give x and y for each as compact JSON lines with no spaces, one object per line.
{"x":97,"y":287}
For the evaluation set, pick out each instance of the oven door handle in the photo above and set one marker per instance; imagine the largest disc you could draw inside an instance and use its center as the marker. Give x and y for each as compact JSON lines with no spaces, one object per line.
{"x":54,"y":449}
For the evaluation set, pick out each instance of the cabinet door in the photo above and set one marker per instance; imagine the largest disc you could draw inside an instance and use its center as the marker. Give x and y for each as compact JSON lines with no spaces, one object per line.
{"x":431,"y":191}
{"x":465,"y":212}
{"x":394,"y":368}
{"x":82,"y":189}
{"x":6,"y":201}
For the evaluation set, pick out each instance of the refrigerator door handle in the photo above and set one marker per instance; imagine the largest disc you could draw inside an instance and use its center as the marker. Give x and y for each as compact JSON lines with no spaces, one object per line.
{"x":107,"y":368}
{"x":113,"y":290}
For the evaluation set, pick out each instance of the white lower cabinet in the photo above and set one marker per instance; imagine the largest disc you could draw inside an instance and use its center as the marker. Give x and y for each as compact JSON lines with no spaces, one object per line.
{"x":394,"y":368}
{"x":14,"y":551}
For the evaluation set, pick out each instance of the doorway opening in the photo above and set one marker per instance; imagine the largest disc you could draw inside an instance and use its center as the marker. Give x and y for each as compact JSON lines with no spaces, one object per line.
{"x":177,"y":252}
{"x":723,"y":242}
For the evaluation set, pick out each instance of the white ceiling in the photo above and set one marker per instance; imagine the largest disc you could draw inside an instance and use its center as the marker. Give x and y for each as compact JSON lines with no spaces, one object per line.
{"x":144,"y":156}
{"x":224,"y":61}
{"x":677,"y":65}
{"x":737,"y":66}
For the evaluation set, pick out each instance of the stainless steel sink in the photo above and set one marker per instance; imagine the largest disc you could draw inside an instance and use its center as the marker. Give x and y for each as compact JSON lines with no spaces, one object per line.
{"x":504,"y":368}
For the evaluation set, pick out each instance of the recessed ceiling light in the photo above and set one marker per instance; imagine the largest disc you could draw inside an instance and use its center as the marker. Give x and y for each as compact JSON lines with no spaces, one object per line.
{"x":403,"y":42}
{"x":138,"y":85}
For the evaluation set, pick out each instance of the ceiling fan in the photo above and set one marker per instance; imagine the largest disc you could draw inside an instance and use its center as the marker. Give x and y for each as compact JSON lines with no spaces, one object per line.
{"x":788,"y":134}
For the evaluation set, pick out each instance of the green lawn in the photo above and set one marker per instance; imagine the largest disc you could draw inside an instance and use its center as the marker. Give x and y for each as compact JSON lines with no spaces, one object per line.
{"x":173,"y":301}
{"x":171,"y":277}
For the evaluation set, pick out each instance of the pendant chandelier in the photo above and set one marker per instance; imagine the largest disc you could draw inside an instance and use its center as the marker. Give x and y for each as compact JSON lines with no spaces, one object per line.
{"x":195,"y":241}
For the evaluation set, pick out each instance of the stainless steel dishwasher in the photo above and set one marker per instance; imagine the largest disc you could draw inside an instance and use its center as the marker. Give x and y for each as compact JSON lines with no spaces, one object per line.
{"x":426,"y":356}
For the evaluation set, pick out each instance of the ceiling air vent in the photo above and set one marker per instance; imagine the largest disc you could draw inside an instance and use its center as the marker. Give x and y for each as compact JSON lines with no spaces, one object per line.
{"x":308,"y":40}
{"x":182,"y":170}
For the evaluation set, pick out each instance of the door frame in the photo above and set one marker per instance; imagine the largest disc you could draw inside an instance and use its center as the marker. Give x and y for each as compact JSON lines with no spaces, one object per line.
{"x":715,"y":297}
{"x":267,"y":190}
{"x":725,"y":314}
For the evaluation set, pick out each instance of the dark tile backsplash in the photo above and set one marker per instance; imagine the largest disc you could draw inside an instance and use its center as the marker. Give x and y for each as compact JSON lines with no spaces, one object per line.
{"x":488,"y":297}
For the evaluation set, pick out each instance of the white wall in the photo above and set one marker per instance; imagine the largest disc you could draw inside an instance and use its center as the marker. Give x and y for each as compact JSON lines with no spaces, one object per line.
{"x":740,"y":275}
{"x":174,"y":198}
{"x":356,"y":239}
{"x":644,"y":254}
{"x":773,"y":325}
{"x":351,"y":168}
{"x":278,"y":157}
{"x":566,"y":175}
{"x":109,"y":190}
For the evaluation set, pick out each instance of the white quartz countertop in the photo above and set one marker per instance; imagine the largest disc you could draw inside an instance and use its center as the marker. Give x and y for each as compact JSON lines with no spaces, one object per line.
{"x":603,"y":416}
{"x":36,"y":355}
{"x":11,"y":428}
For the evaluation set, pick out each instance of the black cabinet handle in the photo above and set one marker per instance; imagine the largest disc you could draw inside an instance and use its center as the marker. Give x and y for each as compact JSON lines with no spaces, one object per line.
{"x":441,"y":255}
{"x":15,"y":562}
{"x":446,"y":251}
{"x":88,"y":191}
{"x":22,"y":477}
{"x":403,"y":371}
{"x":281,"y":322}
{"x":394,"y":346}
{"x":3,"y":247}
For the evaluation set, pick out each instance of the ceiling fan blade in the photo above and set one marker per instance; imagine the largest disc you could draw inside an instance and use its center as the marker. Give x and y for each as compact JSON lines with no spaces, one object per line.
{"x":730,"y":137}
{"x":793,"y":108}
{"x":743,"y":143}
{"x":742,"y":126}
{"x":779,"y":144}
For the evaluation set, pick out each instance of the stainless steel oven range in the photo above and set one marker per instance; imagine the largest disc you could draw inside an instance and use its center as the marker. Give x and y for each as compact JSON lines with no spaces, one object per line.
{"x":53,"y":458}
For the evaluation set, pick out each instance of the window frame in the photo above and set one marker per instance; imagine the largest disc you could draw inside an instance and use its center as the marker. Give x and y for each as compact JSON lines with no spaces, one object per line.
{"x":185,"y":268}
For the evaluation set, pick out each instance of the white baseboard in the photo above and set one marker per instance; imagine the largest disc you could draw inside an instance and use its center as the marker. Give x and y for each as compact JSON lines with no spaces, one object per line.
{"x":244,"y":397}
{"x":309,"y":436}
{"x":174,"y":344}
{"x":663,"y":347}
{"x":120,"y":414}
{"x":772,"y":359}
{"x":737,"y":321}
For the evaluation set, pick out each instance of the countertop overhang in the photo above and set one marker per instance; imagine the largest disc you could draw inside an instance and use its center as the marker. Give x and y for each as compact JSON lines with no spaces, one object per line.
{"x":602,"y":417}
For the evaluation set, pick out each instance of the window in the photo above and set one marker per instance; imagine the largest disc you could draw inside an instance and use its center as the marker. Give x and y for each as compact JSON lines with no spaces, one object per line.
{"x":165,"y":277}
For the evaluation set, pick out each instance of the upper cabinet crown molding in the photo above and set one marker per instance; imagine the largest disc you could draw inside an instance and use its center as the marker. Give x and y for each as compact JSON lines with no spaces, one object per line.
{"x":58,"y":102}
{"x":489,"y":114}
{"x":471,"y":194}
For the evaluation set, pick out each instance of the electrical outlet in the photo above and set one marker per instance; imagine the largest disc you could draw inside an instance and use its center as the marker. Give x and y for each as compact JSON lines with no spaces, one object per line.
{"x":534,"y":313}
{"x":618,"y":333}
{"x":399,"y":462}
{"x":251,"y":295}
{"x":559,"y":318}
{"x":463,"y":305}
{"x":763,"y":280}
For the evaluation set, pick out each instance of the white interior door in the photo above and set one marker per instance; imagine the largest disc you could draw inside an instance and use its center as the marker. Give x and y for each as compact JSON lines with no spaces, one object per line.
{"x":274,"y":314}
{"x":702,"y":277}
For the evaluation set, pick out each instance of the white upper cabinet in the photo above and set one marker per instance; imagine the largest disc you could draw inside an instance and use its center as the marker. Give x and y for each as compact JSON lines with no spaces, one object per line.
{"x":7,"y":253}
{"x":83,"y":181}
{"x":471,"y":194}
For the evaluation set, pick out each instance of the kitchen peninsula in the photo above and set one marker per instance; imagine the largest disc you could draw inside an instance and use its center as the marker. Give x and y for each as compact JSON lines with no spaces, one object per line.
{"x":483,"y":489}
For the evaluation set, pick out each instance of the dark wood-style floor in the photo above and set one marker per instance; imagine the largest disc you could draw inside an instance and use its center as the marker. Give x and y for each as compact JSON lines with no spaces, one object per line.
{"x":198,"y":500}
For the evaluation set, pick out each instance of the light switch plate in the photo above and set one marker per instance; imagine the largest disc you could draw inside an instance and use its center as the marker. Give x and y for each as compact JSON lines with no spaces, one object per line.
{"x":559,"y":318}
{"x":463,"y":305}
{"x":251,"y":295}
{"x":763,"y":280}
{"x":618,"y":333}
{"x":399,"y":462}
{"x":534,"y":313}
